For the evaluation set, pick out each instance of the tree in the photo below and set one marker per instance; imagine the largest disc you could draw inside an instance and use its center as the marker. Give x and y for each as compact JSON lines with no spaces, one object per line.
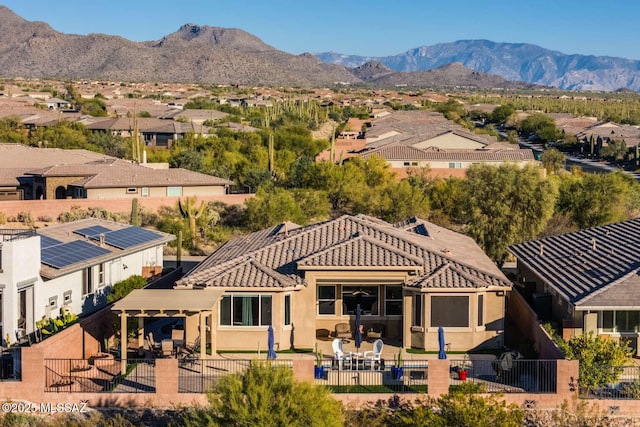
{"x":272,"y":207}
{"x":553,"y":160}
{"x":187,"y":159}
{"x":601,"y":359}
{"x":597,"y":199}
{"x":501,"y":114}
{"x":541,"y":125}
{"x":267,"y":395}
{"x":506,"y":205}
{"x":614,"y":150}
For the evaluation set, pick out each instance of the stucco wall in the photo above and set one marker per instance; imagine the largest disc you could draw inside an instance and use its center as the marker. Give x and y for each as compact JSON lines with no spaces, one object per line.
{"x":53,"y":208}
{"x":451,"y":141}
{"x":121,"y":192}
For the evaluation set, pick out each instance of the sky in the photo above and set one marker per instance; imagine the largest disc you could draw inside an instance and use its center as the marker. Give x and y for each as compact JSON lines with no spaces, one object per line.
{"x":368,"y":28}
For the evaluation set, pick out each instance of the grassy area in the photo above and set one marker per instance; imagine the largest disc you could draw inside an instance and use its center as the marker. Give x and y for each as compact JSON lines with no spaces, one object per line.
{"x":378,"y":389}
{"x":288,"y":351}
{"x":421,"y":351}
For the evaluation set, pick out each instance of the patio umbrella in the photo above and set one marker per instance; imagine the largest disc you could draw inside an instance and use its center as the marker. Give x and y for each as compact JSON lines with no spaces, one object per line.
{"x":358,"y":334}
{"x":271,"y":354}
{"x":441,"y":354}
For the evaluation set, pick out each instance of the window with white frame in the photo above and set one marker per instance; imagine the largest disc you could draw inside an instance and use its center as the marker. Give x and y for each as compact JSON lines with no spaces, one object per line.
{"x":365,"y":296}
{"x":66,"y":297}
{"x":174,"y":191}
{"x":245,"y":310}
{"x":100,"y":274}
{"x":624,"y":321}
{"x":393,"y":300}
{"x":327,"y":299}
{"x":88,"y":283}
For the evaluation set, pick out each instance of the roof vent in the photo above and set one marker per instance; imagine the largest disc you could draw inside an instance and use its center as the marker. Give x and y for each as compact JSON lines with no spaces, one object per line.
{"x":594,"y":244}
{"x":446,"y":251}
{"x":102,"y":239}
{"x":541,"y":249}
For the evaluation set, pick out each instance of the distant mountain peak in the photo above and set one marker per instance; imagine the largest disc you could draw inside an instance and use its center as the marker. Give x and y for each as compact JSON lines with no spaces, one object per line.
{"x":232,"y":38}
{"x":512,"y":61}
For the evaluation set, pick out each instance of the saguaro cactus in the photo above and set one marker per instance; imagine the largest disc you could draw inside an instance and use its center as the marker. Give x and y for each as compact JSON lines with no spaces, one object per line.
{"x":135,"y":217}
{"x":189,"y":211}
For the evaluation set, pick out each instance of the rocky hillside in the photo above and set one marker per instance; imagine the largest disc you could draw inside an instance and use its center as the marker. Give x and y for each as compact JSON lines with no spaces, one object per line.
{"x":512,"y":61}
{"x":191,"y":54}
{"x":453,"y":75}
{"x":200,"y":54}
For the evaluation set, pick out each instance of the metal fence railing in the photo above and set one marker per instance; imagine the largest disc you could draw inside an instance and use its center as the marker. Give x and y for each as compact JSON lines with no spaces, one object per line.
{"x":99,"y":375}
{"x":11,"y":364}
{"x":621,"y":382}
{"x":200,"y":375}
{"x":496,"y":376}
{"x":412,"y":377}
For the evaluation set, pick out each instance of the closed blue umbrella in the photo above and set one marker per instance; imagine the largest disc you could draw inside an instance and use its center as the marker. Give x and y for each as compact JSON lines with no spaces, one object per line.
{"x":358,"y":335}
{"x":271,"y":354}
{"x":441,"y":354}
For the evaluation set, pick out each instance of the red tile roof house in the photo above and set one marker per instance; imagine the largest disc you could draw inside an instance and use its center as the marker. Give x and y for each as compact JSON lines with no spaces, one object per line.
{"x":411,"y":277}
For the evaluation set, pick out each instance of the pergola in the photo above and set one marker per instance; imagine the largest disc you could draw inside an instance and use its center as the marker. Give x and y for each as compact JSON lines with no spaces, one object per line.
{"x":150,"y":303}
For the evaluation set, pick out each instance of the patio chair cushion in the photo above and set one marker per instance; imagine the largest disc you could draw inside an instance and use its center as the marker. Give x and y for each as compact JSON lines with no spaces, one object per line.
{"x":376,"y":331}
{"x":343,"y":330}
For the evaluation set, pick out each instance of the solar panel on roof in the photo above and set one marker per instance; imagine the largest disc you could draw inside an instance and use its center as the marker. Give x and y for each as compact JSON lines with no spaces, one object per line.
{"x":131,"y":236}
{"x":46,"y":242}
{"x":66,"y":254}
{"x":93,"y":231}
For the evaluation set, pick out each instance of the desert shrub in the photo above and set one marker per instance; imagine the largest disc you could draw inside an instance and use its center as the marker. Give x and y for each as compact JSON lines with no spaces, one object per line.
{"x":267,"y":396}
{"x":122,"y":288}
{"x":3,"y":218}
{"x":25,"y":217}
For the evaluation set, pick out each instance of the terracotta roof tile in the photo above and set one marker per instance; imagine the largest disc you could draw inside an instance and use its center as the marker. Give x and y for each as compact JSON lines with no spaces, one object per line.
{"x":350,"y":242}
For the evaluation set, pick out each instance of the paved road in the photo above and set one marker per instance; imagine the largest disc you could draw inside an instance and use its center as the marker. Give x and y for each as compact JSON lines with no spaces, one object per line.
{"x":587,"y":165}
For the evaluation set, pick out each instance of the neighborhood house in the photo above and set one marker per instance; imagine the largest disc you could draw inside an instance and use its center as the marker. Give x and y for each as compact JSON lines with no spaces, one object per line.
{"x":69,"y":267}
{"x":408,"y":278}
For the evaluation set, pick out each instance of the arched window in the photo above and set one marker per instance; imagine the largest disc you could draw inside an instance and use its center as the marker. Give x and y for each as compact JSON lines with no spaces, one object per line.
{"x":61,"y":192}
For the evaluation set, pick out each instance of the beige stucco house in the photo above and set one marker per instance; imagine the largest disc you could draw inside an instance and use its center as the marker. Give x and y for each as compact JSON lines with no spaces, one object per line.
{"x":411,"y":277}
{"x":114,"y":178}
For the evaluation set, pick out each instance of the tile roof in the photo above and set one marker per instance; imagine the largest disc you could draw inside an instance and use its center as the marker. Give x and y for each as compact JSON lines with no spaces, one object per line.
{"x":398,"y":151}
{"x":25,"y":157}
{"x":351,"y":242}
{"x":111,"y":173}
{"x":592,"y":267}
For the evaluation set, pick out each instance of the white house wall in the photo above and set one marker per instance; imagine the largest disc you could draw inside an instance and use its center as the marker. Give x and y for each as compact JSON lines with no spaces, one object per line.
{"x":20,"y":268}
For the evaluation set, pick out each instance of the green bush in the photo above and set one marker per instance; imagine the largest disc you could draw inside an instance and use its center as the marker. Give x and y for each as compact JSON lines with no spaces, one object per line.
{"x":601,"y":359}
{"x":124,"y":287}
{"x":267,"y":396}
{"x":461,"y":408}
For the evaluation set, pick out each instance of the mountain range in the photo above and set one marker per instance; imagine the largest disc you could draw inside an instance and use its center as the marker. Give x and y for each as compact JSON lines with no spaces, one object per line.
{"x":215,"y":55}
{"x":512,"y":61}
